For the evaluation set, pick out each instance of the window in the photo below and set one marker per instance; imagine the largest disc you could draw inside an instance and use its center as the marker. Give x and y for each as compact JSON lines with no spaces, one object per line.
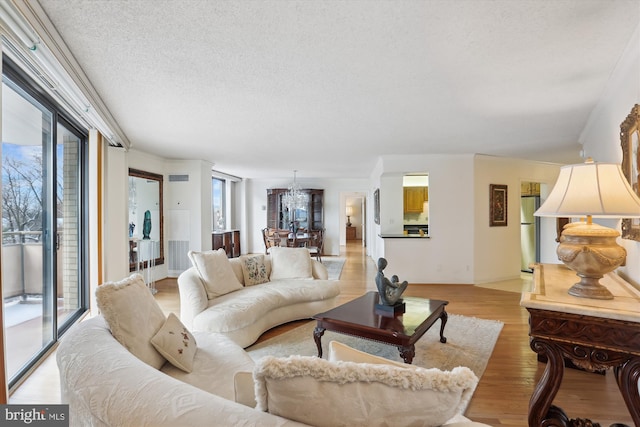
{"x":219,"y":204}
{"x":44,"y":251}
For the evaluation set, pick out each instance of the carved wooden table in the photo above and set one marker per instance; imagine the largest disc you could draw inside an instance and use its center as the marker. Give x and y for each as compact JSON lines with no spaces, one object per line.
{"x":359,"y":318}
{"x":593,"y":334}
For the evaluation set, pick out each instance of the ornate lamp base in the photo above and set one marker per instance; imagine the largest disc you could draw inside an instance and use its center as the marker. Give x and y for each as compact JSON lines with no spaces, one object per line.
{"x":589,"y":287}
{"x":591,"y":251}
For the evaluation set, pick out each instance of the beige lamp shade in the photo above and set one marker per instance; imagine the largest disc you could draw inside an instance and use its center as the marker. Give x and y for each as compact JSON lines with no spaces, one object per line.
{"x":591,"y":189}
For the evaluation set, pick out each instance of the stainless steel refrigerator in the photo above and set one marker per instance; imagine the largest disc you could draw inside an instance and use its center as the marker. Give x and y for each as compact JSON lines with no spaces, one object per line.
{"x":529,"y":232}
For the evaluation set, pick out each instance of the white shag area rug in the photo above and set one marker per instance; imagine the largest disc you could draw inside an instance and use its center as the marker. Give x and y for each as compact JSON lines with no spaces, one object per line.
{"x":470,"y":342}
{"x":334,"y":267}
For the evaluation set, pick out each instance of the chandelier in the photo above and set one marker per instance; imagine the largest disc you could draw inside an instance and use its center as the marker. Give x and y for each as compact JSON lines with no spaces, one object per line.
{"x":294,"y":198}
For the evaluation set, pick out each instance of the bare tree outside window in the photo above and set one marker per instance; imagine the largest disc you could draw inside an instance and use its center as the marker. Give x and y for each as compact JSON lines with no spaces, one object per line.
{"x":21,"y":197}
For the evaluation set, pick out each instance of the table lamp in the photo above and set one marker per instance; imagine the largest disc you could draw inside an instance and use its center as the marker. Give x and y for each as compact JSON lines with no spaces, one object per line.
{"x":349,"y":213}
{"x":591,"y":190}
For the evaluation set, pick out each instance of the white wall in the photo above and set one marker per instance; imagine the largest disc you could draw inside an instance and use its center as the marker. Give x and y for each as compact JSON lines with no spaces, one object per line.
{"x":186,"y":206}
{"x":189,"y":203}
{"x":116,"y":233}
{"x":601,"y":136}
{"x":446,"y":256}
{"x":240,"y":218}
{"x":461,"y":247}
{"x":497,"y":249}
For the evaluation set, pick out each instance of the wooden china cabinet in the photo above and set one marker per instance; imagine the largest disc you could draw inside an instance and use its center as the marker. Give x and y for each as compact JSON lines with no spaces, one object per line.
{"x":229,"y":240}
{"x":310,"y":218}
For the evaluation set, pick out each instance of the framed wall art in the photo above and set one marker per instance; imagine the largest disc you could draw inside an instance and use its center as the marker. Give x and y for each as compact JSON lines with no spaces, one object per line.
{"x":629,"y":139}
{"x":376,"y":206}
{"x":497,"y":205}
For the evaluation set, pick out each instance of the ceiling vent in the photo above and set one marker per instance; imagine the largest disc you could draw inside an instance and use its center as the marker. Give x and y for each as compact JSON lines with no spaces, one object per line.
{"x":178,"y":178}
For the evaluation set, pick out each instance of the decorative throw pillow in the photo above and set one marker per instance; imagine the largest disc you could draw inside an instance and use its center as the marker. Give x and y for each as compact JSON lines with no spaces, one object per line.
{"x":215,"y":271}
{"x":323,"y":393}
{"x":176,"y":343}
{"x":133,"y":316}
{"x":254,"y":270}
{"x":290,"y":263}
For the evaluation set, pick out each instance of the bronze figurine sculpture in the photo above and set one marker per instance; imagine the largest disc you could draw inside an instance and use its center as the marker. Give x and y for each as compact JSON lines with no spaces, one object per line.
{"x":390,"y":290}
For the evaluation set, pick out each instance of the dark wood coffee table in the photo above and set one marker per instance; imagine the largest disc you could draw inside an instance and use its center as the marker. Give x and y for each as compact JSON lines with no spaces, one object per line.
{"x":360,"y":318}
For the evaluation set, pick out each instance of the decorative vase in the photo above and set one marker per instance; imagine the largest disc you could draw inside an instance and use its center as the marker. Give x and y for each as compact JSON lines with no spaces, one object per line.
{"x":146,"y":226}
{"x":591,"y":251}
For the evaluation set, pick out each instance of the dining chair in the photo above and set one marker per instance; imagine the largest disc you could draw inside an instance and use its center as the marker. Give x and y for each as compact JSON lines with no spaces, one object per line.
{"x":271,"y":239}
{"x":316,"y":243}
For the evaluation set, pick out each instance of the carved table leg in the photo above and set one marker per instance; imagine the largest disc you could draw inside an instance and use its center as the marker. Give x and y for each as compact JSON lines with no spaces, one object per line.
{"x":548,"y":386}
{"x":627,"y":377}
{"x":318,"y":332}
{"x":443,"y":321}
{"x":407,"y":353}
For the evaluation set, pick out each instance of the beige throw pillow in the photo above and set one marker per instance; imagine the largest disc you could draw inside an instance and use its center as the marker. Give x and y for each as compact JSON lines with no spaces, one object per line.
{"x":254,"y":270}
{"x":176,"y":343}
{"x":331,"y":394}
{"x":133,"y":316}
{"x":215,"y":271}
{"x":290,"y":263}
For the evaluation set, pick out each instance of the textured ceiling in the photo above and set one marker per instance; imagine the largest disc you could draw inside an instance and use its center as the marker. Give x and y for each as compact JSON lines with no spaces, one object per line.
{"x":261,"y":88}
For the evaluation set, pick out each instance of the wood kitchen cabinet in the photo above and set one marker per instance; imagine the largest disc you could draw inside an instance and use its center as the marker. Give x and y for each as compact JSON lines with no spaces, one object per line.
{"x":414,"y":198}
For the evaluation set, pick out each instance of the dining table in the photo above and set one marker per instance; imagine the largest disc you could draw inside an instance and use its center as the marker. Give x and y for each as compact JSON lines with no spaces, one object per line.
{"x":298,"y":239}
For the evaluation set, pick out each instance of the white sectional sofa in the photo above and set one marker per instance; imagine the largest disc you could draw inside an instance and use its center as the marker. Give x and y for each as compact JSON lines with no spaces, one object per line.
{"x":106,"y":385}
{"x":243,"y":297}
{"x":134,"y":366}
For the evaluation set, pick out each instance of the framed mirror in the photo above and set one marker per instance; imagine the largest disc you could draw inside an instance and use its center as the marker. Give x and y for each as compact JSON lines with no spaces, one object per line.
{"x":146,"y":237}
{"x":629,"y":139}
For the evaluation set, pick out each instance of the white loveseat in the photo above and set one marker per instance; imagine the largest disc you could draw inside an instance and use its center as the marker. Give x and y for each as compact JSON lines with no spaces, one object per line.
{"x":221,"y":295}
{"x":133,"y":366}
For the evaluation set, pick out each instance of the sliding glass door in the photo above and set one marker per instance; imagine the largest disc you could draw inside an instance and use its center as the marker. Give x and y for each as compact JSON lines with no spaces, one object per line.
{"x":68,"y":224}
{"x":43,"y":281}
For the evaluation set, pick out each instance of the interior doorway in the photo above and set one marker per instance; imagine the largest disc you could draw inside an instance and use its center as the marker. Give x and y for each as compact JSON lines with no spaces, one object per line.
{"x":354,"y":218}
{"x":529,"y":225}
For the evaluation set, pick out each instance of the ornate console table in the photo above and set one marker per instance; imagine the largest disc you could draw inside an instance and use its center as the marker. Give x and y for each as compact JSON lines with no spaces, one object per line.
{"x":593,"y":334}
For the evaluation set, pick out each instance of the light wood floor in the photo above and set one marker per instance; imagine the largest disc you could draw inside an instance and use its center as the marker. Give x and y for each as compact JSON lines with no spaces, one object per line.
{"x":502,"y":396}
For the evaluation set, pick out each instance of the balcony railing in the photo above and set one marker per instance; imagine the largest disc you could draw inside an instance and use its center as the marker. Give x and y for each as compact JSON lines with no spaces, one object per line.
{"x":22,"y":264}
{"x":23,"y":282}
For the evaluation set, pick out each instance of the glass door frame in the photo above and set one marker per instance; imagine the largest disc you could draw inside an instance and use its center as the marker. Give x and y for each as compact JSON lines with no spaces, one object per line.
{"x":13,"y":76}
